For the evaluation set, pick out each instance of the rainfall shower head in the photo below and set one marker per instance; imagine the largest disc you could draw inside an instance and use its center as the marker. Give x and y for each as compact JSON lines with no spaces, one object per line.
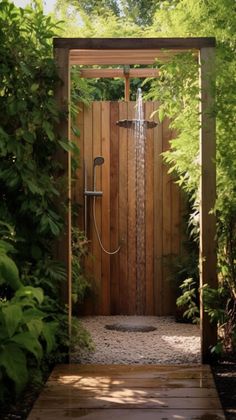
{"x":98,"y":161}
{"x":131,"y":123}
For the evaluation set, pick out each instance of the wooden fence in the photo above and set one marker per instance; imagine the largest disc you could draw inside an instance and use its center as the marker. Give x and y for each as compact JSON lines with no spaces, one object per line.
{"x":114,"y":277}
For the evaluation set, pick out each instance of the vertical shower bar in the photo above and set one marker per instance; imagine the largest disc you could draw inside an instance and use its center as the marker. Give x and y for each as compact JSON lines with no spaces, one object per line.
{"x":85,"y":201}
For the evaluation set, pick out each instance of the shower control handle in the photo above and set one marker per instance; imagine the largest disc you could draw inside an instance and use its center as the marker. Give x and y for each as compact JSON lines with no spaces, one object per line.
{"x":93,"y":193}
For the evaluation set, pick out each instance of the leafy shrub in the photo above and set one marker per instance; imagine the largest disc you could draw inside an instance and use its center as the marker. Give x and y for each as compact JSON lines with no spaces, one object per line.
{"x":221,"y":308}
{"x":28,"y":113}
{"x":81,"y":285}
{"x":188,"y":300}
{"x":177,"y":90}
{"x":81,"y":341}
{"x":25,"y":331}
{"x":33,"y":324}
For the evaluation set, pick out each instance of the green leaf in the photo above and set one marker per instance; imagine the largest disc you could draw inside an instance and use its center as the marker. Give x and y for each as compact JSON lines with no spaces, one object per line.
{"x":66,"y":145}
{"x":12,"y":316}
{"x":76,"y":131}
{"x":48,"y":129}
{"x":34,"y":87}
{"x":32,"y":314}
{"x":13,"y":360}
{"x":48,"y":332}
{"x":32,"y":292}
{"x":5,"y":247}
{"x":36,"y":252}
{"x":33,"y":187}
{"x":9,"y":273}
{"x":54,"y":227}
{"x":28,"y":136}
{"x":35,"y":327}
{"x":161,"y":114}
{"x":28,"y":341}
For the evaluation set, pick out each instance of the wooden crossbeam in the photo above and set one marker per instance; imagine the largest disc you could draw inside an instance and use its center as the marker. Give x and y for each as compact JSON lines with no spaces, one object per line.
{"x":122,"y":56}
{"x":134,"y":43}
{"x":112,"y":73}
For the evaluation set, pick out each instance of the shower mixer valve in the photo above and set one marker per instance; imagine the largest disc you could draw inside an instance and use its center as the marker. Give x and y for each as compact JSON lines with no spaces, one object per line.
{"x":93,"y":193}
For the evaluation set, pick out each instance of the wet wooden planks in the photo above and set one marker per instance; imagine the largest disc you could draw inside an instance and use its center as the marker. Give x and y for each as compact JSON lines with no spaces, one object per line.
{"x":94,"y":392}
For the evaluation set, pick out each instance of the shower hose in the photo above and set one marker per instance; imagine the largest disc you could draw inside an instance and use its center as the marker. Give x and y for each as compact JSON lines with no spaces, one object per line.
{"x":97,"y":232}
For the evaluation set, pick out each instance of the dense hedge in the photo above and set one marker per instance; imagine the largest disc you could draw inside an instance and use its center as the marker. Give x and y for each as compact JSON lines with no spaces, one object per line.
{"x":30,"y":308}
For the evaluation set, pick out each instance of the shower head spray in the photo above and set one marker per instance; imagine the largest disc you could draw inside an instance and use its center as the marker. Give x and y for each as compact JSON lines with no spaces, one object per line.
{"x":98,"y":161}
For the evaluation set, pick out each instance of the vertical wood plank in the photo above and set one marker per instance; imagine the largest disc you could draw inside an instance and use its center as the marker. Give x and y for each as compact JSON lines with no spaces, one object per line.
{"x":106,"y":207}
{"x":175,"y":240}
{"x":62,"y":96}
{"x":175,"y":219}
{"x":114,"y":206}
{"x":88,"y":162}
{"x":149,"y":303}
{"x":166,"y":231}
{"x":123,"y":210}
{"x":208,"y":191}
{"x":79,"y":183}
{"x":131,"y":215}
{"x":158,"y":218}
{"x":96,"y":249}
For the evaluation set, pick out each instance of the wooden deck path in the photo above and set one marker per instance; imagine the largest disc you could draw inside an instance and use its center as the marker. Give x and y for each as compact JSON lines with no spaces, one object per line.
{"x":129,"y":392}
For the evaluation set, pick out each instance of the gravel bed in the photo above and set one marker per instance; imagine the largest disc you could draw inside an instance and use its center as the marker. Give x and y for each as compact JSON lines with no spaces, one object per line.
{"x":170,"y":343}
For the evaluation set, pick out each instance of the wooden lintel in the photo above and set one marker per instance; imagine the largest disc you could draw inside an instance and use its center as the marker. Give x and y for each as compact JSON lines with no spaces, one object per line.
{"x":133,"y":43}
{"x":112,"y":73}
{"x":120,"y":56}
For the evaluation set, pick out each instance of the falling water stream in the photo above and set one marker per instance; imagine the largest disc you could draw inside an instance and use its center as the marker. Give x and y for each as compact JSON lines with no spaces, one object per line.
{"x":140,"y":137}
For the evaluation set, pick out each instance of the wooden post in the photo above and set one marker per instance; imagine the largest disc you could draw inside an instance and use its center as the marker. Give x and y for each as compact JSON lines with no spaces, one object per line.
{"x":127,"y":82}
{"x":127,"y":88}
{"x":63,"y":129}
{"x":207,"y":193}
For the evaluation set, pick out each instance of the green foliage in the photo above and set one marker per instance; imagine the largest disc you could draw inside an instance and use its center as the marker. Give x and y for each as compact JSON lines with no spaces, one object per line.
{"x":188,"y":300}
{"x":81,"y":91}
{"x":24,"y":329}
{"x":28,"y":113}
{"x":24,"y":333}
{"x":220,"y":305}
{"x":30,"y":280}
{"x":177,"y":92}
{"x":140,"y":12}
{"x":179,"y":101}
{"x":81,"y":341}
{"x":79,"y":24}
{"x":80,"y":283}
{"x":9,"y":273}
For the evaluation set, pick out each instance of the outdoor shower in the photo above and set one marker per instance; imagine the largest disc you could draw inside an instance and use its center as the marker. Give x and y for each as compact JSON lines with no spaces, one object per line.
{"x":139,"y":127}
{"x":98,"y":161}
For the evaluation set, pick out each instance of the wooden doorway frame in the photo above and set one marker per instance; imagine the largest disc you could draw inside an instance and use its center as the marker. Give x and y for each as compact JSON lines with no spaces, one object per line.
{"x":89,"y":51}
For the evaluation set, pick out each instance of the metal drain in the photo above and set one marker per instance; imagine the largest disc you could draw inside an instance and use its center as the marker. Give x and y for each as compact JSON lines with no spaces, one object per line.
{"x":130,"y":327}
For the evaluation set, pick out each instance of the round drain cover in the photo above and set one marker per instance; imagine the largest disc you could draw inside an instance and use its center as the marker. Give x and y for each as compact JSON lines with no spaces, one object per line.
{"x":130,"y":327}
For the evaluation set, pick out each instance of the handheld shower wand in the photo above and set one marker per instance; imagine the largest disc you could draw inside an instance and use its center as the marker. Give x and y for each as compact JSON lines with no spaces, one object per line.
{"x":98,"y":161}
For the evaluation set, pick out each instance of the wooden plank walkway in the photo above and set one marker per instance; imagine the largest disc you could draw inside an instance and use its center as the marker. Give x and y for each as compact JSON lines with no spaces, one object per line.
{"x":129,"y":392}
